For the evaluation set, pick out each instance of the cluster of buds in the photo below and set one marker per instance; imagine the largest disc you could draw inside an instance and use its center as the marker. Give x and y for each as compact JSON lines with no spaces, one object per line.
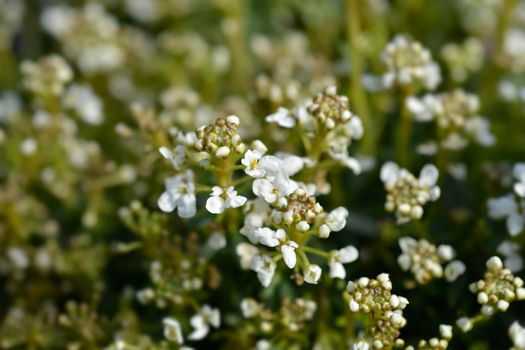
{"x":511,"y":206}
{"x":406,"y":194}
{"x":329,"y":125}
{"x":292,"y":315}
{"x":329,"y":109}
{"x":425,"y":260}
{"x":456,"y":116}
{"x":409,"y":64}
{"x":47,"y":77}
{"x":464,"y":58}
{"x":220,"y":139}
{"x":374,"y":297}
{"x":498,"y":288}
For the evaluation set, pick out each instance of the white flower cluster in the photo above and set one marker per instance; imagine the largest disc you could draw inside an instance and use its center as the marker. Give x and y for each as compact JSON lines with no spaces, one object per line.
{"x":463,"y":58}
{"x":425,"y":260}
{"x":47,"y":77}
{"x":292,"y":219}
{"x":517,"y":334}
{"x":498,"y":288}
{"x":511,"y":207}
{"x":456,"y":116}
{"x":99,"y":47}
{"x":409,"y":64}
{"x":406,"y":194}
{"x":511,"y":251}
{"x":329,"y":125}
{"x":374,"y":297}
{"x":292,"y":315}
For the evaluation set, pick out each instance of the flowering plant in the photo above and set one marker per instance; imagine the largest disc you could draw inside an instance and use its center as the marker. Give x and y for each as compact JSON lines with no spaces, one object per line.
{"x":180,"y":175}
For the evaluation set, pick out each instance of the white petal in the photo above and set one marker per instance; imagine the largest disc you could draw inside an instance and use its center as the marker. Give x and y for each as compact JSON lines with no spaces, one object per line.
{"x":348,"y":254}
{"x":215,"y":205}
{"x":428,"y":175}
{"x":235,"y":202}
{"x":289,"y":255}
{"x":515,"y":224}
{"x":187,"y":207}
{"x":337,"y":270}
{"x":166,"y":202}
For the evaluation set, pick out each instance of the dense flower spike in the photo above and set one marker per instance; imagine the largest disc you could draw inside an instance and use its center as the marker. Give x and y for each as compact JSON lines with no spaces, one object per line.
{"x":374,"y":297}
{"x":406,"y":194}
{"x":456,"y":117}
{"x":498,"y":289}
{"x":409,"y":64}
{"x":425,"y":260}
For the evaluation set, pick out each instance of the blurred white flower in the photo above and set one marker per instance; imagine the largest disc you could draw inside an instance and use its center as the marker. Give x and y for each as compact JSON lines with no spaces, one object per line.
{"x":202,"y":321}
{"x":176,"y":157}
{"x":172,"y":330}
{"x":180,"y":194}
{"x":282,"y":117}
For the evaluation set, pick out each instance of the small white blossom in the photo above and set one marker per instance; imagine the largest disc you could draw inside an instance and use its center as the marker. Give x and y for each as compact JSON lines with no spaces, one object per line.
{"x":339,"y":257}
{"x":246,"y":252}
{"x":288,"y":251}
{"x":202,"y":321}
{"x":180,"y":194}
{"x":265,"y":268}
{"x":176,"y":157}
{"x":251,"y":162}
{"x":172,"y":330}
{"x":220,"y":200}
{"x":282,"y":117}
{"x":312,"y":274}
{"x":453,"y":270}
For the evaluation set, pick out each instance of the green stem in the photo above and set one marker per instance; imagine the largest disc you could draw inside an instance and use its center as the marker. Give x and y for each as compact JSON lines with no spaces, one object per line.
{"x":357,"y":93}
{"x":404,"y":132}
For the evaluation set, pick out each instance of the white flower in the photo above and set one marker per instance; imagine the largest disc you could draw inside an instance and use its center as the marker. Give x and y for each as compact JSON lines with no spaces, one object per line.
{"x":220,"y":200}
{"x":269,"y":237}
{"x":265,"y":268}
{"x":283,"y":117}
{"x":271,"y":191}
{"x":511,"y":251}
{"x":506,"y":207}
{"x":83,"y":100}
{"x":290,"y":164}
{"x":246,"y":252}
{"x":251,"y":162}
{"x":454,"y":269}
{"x":202,"y":321}
{"x":446,"y":331}
{"x":339,"y":257}
{"x":336,"y":220}
{"x":177,"y":157}
{"x":180,"y":194}
{"x":172,"y":330}
{"x":312,"y":274}
{"x":288,"y":251}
